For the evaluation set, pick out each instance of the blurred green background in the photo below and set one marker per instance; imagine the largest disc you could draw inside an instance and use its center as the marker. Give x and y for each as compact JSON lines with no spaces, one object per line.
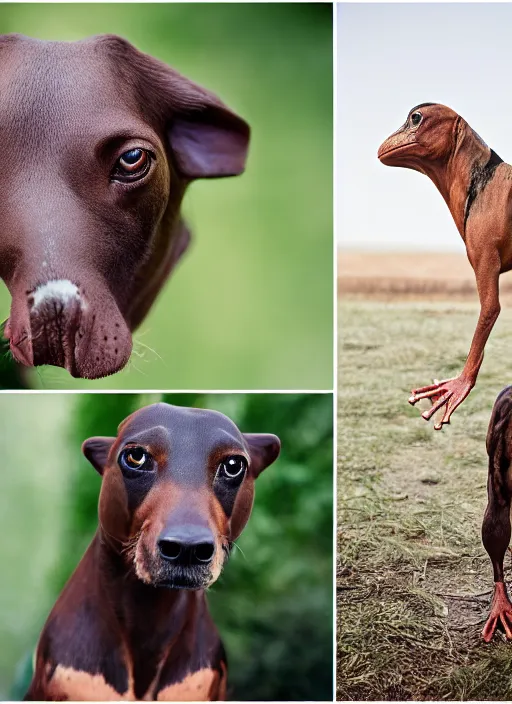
{"x":250,"y":306}
{"x":273,"y":603}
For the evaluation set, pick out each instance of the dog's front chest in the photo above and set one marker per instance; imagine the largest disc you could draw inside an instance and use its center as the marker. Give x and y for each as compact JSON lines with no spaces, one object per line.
{"x":78,"y":685}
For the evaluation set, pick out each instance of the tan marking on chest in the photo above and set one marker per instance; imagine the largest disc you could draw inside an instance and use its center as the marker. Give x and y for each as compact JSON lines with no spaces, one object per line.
{"x":197,"y":687}
{"x":76,"y":685}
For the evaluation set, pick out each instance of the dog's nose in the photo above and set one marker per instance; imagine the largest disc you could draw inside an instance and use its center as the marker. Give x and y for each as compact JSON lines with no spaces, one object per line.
{"x":187,"y":546}
{"x":55,"y":311}
{"x":58,"y":323}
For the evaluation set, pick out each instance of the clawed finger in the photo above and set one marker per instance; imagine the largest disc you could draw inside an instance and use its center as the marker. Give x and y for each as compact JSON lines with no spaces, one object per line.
{"x":445,"y":420}
{"x":504,"y":618}
{"x":427,"y":415}
{"x":435,"y":383}
{"x":424,"y":389}
{"x":489,"y":628}
{"x":417,"y":396}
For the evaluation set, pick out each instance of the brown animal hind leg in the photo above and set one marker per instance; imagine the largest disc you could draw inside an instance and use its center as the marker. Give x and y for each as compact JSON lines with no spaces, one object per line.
{"x":496,"y":538}
{"x":496,"y":528}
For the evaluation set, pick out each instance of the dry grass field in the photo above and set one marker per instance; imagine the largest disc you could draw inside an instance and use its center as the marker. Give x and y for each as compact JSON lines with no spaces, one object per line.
{"x":413,"y":580}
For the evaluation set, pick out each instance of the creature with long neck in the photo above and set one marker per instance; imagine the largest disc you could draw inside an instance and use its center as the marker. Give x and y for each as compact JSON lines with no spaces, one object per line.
{"x":477,"y":187}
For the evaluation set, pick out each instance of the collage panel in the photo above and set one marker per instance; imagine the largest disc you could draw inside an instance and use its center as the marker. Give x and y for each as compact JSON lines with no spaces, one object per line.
{"x":424,"y":416}
{"x":105,"y":571}
{"x":128,"y":118}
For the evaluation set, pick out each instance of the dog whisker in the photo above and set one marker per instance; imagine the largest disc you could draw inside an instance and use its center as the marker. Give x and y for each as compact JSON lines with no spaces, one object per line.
{"x":132,"y":366}
{"x":138,"y":342}
{"x":237,"y":546}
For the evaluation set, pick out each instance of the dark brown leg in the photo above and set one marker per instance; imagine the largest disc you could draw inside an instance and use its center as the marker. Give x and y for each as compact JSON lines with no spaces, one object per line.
{"x":496,"y":528}
{"x":496,"y":538}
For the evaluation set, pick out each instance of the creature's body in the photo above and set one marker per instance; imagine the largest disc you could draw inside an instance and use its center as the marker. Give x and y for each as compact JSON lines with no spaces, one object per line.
{"x":99,"y":144}
{"x":496,"y":528}
{"x":477,"y":187}
{"x":133,"y":623}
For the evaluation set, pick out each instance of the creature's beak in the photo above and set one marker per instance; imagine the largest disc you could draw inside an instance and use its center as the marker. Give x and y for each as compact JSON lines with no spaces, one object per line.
{"x":395,"y":145}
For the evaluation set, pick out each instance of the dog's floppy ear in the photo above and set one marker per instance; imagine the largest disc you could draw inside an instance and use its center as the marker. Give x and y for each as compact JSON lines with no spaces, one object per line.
{"x":207,"y":139}
{"x":263,"y":449}
{"x":96,"y":450}
{"x":210,"y":142}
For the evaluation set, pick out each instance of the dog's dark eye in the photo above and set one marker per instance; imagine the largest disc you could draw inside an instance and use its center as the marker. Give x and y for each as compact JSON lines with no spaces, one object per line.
{"x":132,"y":165}
{"x":233,"y":466}
{"x":416,"y":118}
{"x":135,"y":458}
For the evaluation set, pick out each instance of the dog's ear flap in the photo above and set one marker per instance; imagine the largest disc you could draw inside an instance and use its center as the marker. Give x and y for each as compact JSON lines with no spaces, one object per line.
{"x":96,"y":450}
{"x":263,"y":449}
{"x":209,"y":141}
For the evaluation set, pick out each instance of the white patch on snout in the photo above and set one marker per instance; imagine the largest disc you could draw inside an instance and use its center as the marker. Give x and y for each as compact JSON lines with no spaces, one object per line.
{"x":57,"y":290}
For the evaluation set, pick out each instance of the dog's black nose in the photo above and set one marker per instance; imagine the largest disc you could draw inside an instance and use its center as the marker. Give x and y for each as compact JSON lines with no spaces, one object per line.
{"x":187,"y":546}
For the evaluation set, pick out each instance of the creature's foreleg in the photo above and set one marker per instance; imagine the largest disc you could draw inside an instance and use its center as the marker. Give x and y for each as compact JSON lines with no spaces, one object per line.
{"x":452,"y":392}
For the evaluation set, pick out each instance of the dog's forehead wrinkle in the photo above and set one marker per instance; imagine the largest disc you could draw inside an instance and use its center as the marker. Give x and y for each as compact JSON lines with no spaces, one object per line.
{"x":181,"y":419}
{"x":155,"y":433}
{"x":230,"y":436}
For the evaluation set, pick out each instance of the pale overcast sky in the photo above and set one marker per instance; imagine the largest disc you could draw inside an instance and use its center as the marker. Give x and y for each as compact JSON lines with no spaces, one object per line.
{"x":390,"y":58}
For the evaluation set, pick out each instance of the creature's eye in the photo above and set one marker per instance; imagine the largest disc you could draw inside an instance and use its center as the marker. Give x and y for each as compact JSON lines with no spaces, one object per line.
{"x":416,"y":118}
{"x":135,"y":458}
{"x":233,"y":466}
{"x":132,"y":165}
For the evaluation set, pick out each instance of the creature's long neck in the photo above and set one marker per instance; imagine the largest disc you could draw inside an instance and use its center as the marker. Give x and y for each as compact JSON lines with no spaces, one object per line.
{"x":459,"y":180}
{"x":151,"y":619}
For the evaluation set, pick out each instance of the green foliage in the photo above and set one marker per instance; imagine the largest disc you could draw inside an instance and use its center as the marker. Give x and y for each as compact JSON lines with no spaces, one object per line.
{"x":10,"y":372}
{"x":251,"y":304}
{"x":273,"y":604}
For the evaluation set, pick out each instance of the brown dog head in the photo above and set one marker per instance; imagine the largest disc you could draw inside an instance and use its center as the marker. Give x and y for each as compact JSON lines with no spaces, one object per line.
{"x":99,"y":143}
{"x":177,"y":490}
{"x":427,"y":136}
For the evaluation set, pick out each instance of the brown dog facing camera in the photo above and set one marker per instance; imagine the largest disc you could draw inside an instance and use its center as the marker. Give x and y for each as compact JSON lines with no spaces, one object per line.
{"x":132,"y":622}
{"x":101,"y":142}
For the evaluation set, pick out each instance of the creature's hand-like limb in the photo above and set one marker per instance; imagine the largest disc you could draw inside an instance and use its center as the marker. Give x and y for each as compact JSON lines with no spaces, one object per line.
{"x":452,"y":392}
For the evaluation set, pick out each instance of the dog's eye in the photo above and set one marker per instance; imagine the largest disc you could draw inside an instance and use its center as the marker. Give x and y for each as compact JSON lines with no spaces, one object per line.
{"x":135,"y":458}
{"x":233,"y":466}
{"x":416,"y":118}
{"x":132,"y":165}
